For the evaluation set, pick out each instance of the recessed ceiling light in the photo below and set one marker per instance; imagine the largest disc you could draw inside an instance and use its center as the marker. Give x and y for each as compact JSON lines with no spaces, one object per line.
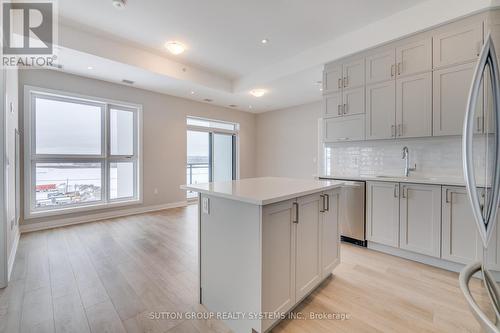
{"x":265,"y":41}
{"x":90,"y":68}
{"x":119,"y":3}
{"x":258,"y":92}
{"x":249,"y":106}
{"x":320,"y":89}
{"x":192,"y":92}
{"x":175,"y":47}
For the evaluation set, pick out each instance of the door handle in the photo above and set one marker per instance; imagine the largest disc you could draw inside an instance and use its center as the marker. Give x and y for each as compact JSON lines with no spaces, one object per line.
{"x":399,"y":68}
{"x":400,"y":129}
{"x":346,"y":81}
{"x":396,"y":191}
{"x":345,"y":108}
{"x":322,"y":210}
{"x":339,"y":109}
{"x":446,"y":195}
{"x":339,"y":83}
{"x":393,"y":70}
{"x":393,"y":131}
{"x":327,"y":198}
{"x":403,"y":195}
{"x":296,"y":215}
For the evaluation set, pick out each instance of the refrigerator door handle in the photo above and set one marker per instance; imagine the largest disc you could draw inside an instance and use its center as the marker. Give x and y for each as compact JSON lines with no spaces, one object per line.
{"x":486,"y":222}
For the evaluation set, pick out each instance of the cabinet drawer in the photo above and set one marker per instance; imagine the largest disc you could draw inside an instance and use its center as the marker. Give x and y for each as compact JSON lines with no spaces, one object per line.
{"x":349,"y":128}
{"x":457,"y":43}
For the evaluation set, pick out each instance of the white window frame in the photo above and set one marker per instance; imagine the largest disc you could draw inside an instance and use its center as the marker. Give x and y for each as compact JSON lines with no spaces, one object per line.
{"x":208,"y":129}
{"x":105,"y":158}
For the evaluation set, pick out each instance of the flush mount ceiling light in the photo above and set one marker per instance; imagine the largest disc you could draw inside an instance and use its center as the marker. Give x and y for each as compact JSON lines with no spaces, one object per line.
{"x":265,"y":41}
{"x":119,"y":3}
{"x":258,"y":92}
{"x":90,"y":68}
{"x":175,"y":47}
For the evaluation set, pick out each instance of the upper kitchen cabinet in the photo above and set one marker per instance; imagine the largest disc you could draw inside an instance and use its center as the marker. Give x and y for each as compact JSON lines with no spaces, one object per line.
{"x":414,"y":57}
{"x":414,"y":106}
{"x":341,"y":129}
{"x":381,"y":110}
{"x":381,"y":66}
{"x":492,"y":25}
{"x":332,"y":79}
{"x":354,"y":73}
{"x":458,"y":42}
{"x":451,"y":89}
{"x":353,"y":101}
{"x":332,"y":105}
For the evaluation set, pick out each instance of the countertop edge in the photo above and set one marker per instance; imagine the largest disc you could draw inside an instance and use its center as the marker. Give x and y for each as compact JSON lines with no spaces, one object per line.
{"x":436,"y":181}
{"x":264,"y":201}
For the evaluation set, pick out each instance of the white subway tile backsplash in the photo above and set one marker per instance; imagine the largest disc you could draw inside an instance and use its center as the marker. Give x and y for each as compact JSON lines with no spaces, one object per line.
{"x":435,"y":157}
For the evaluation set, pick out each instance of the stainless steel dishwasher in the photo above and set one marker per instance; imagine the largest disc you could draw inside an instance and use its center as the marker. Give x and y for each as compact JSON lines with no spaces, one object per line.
{"x":352,"y":213}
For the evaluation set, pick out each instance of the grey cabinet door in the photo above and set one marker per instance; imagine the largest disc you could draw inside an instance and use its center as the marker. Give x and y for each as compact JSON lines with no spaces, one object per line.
{"x":381,"y":66}
{"x":457,"y":43}
{"x":414,"y":106}
{"x":354,"y":73}
{"x":451,"y":90}
{"x":414,"y":57}
{"x":308,"y":244}
{"x":354,"y":101}
{"x":382,"y":213}
{"x":330,"y":236}
{"x":332,"y":79}
{"x":332,"y":104}
{"x":420,"y":219}
{"x":381,"y":110}
{"x":341,"y":129}
{"x":459,"y":240}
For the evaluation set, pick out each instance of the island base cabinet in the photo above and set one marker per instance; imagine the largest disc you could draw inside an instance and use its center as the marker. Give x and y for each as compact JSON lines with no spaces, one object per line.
{"x":300,"y":247}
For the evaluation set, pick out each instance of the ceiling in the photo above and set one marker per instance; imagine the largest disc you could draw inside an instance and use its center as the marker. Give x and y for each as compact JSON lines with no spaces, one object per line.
{"x":225,"y":57}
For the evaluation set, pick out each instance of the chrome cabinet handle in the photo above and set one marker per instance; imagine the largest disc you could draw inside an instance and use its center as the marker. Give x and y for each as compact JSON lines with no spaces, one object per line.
{"x":396,"y":191}
{"x":296,"y":215}
{"x":393,"y":70}
{"x":345,"y":108}
{"x":327,"y":198}
{"x":340,"y":83}
{"x":322,"y":209}
{"x":403,"y":195}
{"x":399,"y":68}
{"x":446,"y":196}
{"x":393,"y":131}
{"x":346,"y":81}
{"x":339,"y":109}
{"x":400,"y":129}
{"x":485,"y":222}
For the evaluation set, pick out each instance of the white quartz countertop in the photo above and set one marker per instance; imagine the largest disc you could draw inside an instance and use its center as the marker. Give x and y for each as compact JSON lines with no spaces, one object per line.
{"x":265,"y":190}
{"x":448,"y":181}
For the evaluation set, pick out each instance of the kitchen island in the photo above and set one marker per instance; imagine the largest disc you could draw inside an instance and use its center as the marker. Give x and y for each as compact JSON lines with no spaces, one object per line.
{"x":264,"y":245}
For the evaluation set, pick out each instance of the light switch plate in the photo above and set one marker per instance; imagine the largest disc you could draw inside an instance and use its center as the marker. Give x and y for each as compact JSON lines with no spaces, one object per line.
{"x":205,"y":205}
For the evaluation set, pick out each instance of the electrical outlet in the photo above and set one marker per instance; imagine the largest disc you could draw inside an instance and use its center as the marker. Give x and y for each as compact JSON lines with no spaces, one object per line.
{"x":205,"y":205}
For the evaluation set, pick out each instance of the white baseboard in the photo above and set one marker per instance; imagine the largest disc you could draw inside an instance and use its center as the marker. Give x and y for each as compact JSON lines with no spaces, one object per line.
{"x":60,"y":222}
{"x":12,"y":255}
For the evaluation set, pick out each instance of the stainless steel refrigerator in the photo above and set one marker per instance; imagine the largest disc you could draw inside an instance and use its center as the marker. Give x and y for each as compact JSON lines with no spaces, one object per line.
{"x":481,"y":164}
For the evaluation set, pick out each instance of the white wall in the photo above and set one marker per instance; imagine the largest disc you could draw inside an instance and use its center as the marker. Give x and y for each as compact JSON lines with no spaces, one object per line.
{"x":13,"y":195}
{"x":164,"y":141}
{"x":287,"y":141}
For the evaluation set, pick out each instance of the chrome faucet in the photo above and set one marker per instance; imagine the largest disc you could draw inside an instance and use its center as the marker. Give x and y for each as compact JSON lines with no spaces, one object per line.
{"x":406,"y":157}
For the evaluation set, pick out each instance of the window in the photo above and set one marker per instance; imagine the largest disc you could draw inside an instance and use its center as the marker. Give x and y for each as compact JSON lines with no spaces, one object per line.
{"x":83,"y":153}
{"x":211,"y":151}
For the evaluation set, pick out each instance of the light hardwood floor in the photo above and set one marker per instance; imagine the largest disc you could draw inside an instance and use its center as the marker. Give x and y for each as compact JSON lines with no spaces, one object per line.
{"x":109,"y":276}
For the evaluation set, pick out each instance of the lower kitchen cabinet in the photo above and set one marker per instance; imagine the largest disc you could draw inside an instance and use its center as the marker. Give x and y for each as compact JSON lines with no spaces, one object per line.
{"x":330,"y":255}
{"x":420,"y":219}
{"x":300,"y":247}
{"x":308,"y":266}
{"x":382,"y":213}
{"x":460,"y":241}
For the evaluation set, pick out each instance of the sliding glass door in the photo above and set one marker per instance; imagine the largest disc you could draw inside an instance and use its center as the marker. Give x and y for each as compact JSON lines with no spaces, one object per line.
{"x":211,"y":156}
